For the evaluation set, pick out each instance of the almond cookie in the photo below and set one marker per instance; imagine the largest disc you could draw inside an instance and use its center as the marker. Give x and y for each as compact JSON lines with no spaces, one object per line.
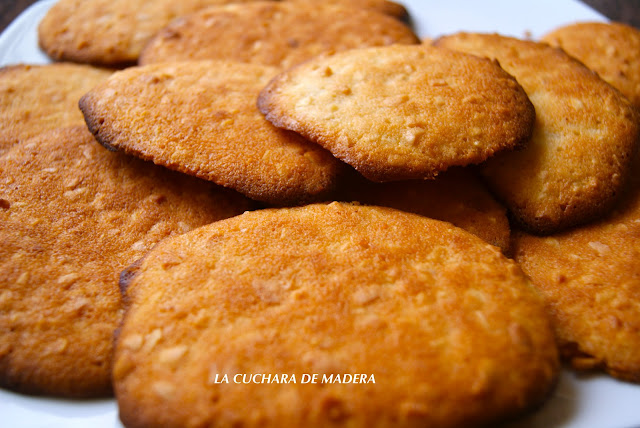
{"x":401,"y":112}
{"x":585,"y":135}
{"x":436,"y":326}
{"x":589,"y":277}
{"x":610,"y":49}
{"x":387,"y":7}
{"x":109,"y":32}
{"x":201,"y":118}
{"x":272,"y":33}
{"x":72,"y":216}
{"x":457,"y":196}
{"x":34,"y":98}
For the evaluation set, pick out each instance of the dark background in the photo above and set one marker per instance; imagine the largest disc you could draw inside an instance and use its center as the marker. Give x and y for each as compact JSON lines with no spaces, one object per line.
{"x":627,"y":11}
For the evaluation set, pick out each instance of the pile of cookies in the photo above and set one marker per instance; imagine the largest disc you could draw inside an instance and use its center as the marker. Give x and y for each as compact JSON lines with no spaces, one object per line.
{"x":224,"y":212}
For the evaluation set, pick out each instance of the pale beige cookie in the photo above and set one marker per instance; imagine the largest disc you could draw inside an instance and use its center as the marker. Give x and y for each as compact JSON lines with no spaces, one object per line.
{"x":273,"y":33}
{"x":72,"y":216}
{"x":387,"y":7}
{"x":34,"y":98}
{"x":586,"y":132}
{"x":456,"y":196}
{"x":589,"y":277}
{"x":109,"y":32}
{"x":610,"y":49}
{"x":448,"y":328}
{"x":401,"y":112}
{"x":201,"y":118}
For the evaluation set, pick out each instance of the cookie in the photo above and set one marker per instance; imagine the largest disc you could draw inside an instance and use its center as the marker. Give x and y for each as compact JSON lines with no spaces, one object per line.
{"x":456,"y":196}
{"x":72,"y":216}
{"x":201,"y":118}
{"x":610,"y":49}
{"x":435,"y":325}
{"x":576,"y":163}
{"x":273,"y":33}
{"x":401,"y":112}
{"x":109,"y":32}
{"x":387,"y":7}
{"x":34,"y":98}
{"x":589,"y":278}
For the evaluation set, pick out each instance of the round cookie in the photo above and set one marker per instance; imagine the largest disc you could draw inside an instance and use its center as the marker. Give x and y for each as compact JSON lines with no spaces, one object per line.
{"x":34,"y":98}
{"x":109,"y":32}
{"x":456,"y":196}
{"x":576,"y":163}
{"x":200,"y":118}
{"x":72,"y":216}
{"x":444,"y":330}
{"x":610,"y":49}
{"x":401,"y":112}
{"x":387,"y":7}
{"x":279,"y":34}
{"x":589,"y":277}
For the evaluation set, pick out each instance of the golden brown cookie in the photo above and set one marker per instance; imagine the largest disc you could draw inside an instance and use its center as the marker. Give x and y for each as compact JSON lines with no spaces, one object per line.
{"x":273,"y":33}
{"x":590,"y":278}
{"x":201,"y":118}
{"x":401,"y":112}
{"x":34,"y":98}
{"x":436,"y":326}
{"x":610,"y":49}
{"x":109,"y":32}
{"x":456,"y":196}
{"x":387,"y":7}
{"x":586,"y":132}
{"x":72,"y":216}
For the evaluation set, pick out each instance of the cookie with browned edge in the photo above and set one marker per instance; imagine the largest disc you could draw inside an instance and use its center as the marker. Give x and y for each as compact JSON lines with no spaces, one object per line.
{"x":612,"y":49}
{"x":279,"y":34}
{"x":402,"y":112}
{"x":590,"y":278}
{"x":436,"y":326}
{"x":72,"y":216}
{"x":109,"y":32}
{"x":391,"y":8}
{"x":35,"y":98}
{"x":200,"y":118}
{"x":575,"y":165}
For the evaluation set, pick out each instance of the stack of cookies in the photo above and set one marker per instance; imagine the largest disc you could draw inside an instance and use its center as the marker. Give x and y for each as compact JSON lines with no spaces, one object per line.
{"x":290,"y":213}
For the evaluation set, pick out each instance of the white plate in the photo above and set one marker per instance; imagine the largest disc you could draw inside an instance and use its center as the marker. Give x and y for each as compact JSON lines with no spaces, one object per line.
{"x":595,"y":401}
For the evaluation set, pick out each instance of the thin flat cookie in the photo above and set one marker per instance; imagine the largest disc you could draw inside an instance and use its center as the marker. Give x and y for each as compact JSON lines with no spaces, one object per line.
{"x":611,"y":49}
{"x":457,"y":196}
{"x":575,"y":165}
{"x":438,"y":328}
{"x":109,"y":32}
{"x":401,"y":112}
{"x":201,"y":118}
{"x":279,"y":34}
{"x":590,"y":278}
{"x":35,"y":98}
{"x":72,"y":216}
